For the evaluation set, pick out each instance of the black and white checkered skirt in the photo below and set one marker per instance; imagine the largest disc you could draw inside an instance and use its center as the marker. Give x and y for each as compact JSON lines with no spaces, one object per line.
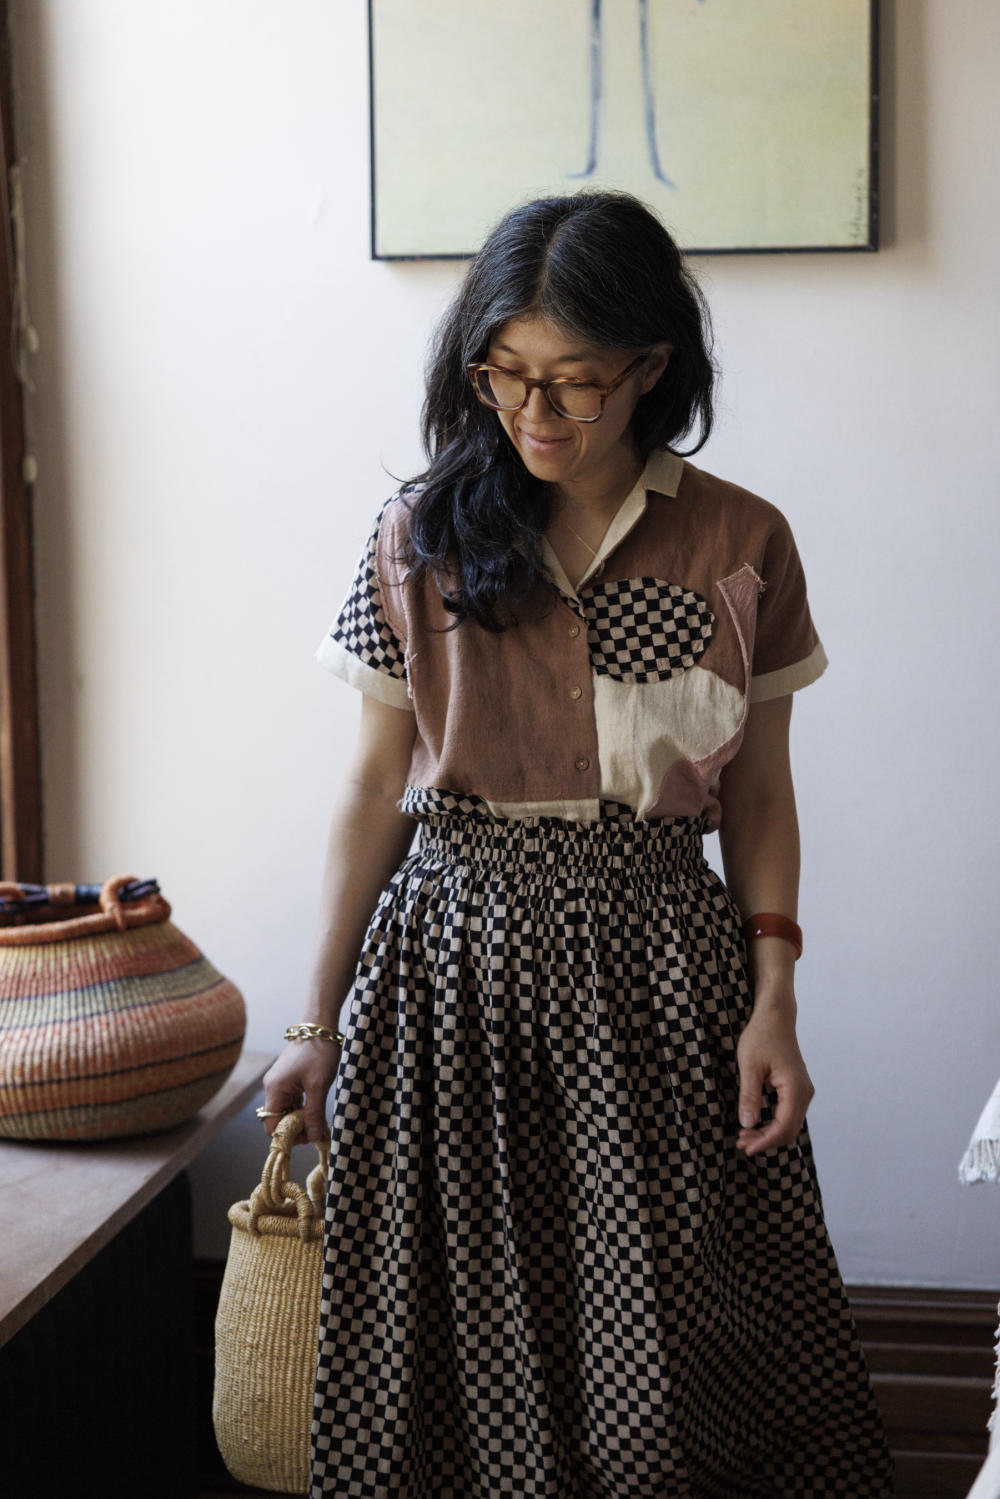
{"x":549,"y":1272}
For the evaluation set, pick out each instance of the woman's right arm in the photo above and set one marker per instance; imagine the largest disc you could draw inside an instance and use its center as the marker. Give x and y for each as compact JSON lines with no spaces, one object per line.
{"x":369,"y":839}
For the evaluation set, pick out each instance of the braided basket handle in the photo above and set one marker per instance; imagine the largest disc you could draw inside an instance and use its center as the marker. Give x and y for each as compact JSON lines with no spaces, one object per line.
{"x":277,"y":1193}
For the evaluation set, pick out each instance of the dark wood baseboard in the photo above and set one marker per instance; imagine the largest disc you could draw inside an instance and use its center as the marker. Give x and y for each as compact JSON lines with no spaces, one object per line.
{"x":931,"y":1356}
{"x":930,"y":1353}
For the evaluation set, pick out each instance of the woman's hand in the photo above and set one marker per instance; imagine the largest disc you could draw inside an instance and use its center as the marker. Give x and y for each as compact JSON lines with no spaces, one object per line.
{"x":301,"y":1078}
{"x":769,"y":1057}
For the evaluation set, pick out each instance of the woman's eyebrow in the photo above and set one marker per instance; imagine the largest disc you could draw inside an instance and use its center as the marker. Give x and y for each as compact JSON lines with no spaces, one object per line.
{"x":564,"y":359}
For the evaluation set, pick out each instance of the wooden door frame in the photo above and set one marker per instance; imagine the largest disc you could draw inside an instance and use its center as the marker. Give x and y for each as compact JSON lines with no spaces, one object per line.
{"x":20,"y":759}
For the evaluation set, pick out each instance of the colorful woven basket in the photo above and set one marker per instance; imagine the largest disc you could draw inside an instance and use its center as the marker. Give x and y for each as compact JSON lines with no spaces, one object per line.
{"x":267,"y":1326}
{"x":111,"y":1020}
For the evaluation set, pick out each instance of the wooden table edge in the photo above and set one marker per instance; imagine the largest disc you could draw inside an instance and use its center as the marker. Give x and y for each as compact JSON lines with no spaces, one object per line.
{"x":178,"y":1148}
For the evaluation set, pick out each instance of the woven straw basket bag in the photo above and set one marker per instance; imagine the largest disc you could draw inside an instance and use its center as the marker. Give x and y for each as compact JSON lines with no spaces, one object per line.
{"x":112,"y":1022}
{"x":267,"y":1326}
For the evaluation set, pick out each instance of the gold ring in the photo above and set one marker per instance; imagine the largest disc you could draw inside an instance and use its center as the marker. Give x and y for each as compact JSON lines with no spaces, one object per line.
{"x":272,"y":1113}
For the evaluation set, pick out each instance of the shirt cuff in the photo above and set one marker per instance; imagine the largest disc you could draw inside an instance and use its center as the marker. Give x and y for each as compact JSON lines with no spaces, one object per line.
{"x":351,"y":669}
{"x":789,"y":678}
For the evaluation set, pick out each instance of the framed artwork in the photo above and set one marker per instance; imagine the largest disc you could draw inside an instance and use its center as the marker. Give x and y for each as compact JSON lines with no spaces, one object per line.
{"x":748,"y":125}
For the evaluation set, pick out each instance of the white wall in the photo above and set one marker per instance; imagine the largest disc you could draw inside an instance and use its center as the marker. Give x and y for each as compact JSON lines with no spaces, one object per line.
{"x":224,"y":380}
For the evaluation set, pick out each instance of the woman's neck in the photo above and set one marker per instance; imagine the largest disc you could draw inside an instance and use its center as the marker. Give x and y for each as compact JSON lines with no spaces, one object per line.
{"x":581,"y":516}
{"x":596,"y":499}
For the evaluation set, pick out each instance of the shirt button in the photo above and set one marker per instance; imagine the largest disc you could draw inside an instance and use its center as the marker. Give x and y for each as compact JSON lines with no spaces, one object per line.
{"x":582,"y":763}
{"x":574,"y":631}
{"x":576,"y":692}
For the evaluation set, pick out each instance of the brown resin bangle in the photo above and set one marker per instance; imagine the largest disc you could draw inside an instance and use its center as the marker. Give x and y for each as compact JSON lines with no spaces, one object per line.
{"x":770,"y":924}
{"x":306,"y":1031}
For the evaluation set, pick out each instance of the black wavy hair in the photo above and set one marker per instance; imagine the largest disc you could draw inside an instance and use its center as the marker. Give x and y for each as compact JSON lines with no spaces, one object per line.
{"x":600,"y":266}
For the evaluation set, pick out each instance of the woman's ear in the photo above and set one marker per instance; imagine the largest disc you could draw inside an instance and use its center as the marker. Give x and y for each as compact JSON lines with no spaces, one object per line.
{"x":656,"y":362}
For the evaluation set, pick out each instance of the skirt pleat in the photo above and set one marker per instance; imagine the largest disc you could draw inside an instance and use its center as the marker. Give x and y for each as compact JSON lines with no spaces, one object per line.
{"x":549,"y":1272}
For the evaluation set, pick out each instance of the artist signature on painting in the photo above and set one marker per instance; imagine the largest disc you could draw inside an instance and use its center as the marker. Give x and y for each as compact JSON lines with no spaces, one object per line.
{"x":857,"y":223}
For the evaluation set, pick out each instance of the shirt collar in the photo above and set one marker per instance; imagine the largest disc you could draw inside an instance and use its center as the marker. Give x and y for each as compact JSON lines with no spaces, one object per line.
{"x":663,"y":471}
{"x":663,"y":475}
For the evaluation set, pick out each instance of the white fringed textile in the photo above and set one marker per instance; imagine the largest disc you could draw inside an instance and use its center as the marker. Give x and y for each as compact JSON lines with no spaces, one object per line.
{"x":981,"y":1161}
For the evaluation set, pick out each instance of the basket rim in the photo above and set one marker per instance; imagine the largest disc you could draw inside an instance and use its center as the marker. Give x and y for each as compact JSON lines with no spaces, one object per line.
{"x":36,"y":927}
{"x":272,"y":1225}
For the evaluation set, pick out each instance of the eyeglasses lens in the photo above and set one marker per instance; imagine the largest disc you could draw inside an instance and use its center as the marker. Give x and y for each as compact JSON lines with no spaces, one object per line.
{"x":582,"y":402}
{"x":508,"y":392}
{"x":505,"y":392}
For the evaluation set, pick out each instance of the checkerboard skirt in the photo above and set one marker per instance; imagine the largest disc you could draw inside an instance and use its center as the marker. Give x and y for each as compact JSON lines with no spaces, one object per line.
{"x":548,"y":1271}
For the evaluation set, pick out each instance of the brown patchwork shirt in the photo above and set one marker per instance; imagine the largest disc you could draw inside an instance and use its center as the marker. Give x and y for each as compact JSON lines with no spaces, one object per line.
{"x":631,"y":688}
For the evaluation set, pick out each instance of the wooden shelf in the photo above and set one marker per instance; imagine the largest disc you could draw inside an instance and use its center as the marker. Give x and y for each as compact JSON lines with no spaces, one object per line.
{"x":63,"y":1203}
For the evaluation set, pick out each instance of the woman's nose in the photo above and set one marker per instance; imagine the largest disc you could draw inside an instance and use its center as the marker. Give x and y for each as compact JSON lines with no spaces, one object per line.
{"x":538,"y":407}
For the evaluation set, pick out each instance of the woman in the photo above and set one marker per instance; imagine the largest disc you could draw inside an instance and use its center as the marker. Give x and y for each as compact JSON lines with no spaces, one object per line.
{"x":575,"y":1242}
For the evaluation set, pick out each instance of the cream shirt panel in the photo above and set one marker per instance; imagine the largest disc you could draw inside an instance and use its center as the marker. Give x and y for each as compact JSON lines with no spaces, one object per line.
{"x":584,"y":810}
{"x":636,"y":752}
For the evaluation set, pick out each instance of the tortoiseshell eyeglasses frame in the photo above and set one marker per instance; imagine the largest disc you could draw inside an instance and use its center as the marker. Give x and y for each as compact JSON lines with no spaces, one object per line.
{"x":474,"y":370}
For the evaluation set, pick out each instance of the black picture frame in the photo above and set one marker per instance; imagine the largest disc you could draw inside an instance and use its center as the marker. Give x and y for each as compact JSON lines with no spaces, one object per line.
{"x":425,"y":171}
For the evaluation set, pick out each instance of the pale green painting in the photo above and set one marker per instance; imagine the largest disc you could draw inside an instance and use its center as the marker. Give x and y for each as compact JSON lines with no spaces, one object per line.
{"x":746,"y":124}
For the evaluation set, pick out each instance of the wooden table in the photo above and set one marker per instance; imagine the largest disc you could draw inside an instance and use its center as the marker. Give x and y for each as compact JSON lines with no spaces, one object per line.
{"x":63,"y":1203}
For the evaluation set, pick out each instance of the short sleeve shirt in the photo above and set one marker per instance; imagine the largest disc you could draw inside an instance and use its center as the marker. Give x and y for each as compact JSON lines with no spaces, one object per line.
{"x":631,"y":688}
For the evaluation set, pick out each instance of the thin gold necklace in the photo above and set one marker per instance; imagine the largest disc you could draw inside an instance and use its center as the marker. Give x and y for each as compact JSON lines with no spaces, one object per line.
{"x":593,"y":550}
{"x":569,"y":528}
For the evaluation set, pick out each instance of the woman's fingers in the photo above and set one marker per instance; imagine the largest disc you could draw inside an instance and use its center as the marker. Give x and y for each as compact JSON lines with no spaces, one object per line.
{"x":281,"y":1094}
{"x":768,"y":1057}
{"x":277,"y":1103}
{"x":301,"y":1079}
{"x":793,"y":1098}
{"x":315,"y":1113}
{"x":751,"y":1095}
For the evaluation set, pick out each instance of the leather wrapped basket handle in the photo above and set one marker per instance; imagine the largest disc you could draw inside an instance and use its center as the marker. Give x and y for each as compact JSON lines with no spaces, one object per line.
{"x":42,"y":920}
{"x":277,"y":1195}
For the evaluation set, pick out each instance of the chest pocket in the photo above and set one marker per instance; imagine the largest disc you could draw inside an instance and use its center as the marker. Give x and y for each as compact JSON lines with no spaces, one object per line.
{"x":642,"y":630}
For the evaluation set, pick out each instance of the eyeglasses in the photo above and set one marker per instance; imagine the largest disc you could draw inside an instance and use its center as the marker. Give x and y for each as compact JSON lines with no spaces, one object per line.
{"x":580,"y":400}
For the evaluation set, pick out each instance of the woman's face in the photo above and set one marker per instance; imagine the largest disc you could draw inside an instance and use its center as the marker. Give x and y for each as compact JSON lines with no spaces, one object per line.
{"x":552,"y":447}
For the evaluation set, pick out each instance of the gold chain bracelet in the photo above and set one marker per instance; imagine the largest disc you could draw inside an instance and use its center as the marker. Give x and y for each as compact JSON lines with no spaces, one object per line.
{"x":306,"y":1031}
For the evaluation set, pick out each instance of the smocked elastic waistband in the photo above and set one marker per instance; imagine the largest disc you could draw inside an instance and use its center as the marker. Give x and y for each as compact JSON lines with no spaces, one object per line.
{"x":552,"y":843}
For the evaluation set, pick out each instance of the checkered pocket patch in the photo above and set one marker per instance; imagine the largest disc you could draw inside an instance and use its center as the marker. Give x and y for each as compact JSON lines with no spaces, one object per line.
{"x":642,"y":630}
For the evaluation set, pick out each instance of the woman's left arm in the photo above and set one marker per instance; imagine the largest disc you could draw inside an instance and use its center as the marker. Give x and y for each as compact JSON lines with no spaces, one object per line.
{"x":760,"y":851}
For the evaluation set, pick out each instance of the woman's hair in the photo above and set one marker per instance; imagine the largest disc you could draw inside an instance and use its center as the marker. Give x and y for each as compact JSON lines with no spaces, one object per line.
{"x":602,"y":267}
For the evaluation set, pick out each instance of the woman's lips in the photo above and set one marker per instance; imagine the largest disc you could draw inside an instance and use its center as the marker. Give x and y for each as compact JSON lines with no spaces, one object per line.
{"x":541,"y":444}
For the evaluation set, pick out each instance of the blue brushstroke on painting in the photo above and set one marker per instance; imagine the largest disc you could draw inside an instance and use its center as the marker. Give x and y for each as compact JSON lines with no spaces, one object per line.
{"x":648,"y":101}
{"x":648,"y":93}
{"x":595,"y":88}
